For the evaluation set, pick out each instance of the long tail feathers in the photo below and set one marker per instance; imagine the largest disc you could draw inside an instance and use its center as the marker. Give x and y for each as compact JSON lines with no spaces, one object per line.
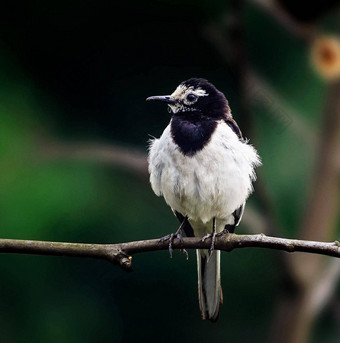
{"x":209,"y":284}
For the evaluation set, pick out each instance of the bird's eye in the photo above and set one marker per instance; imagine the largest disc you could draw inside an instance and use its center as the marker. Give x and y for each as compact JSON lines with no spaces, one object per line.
{"x":191,"y":97}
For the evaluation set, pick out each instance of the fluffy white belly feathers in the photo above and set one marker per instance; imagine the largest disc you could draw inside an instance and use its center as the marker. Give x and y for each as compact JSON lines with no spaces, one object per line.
{"x":214,"y":182}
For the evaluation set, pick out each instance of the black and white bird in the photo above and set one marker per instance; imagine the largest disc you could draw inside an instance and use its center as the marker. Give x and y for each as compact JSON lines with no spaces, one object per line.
{"x":204,"y":169}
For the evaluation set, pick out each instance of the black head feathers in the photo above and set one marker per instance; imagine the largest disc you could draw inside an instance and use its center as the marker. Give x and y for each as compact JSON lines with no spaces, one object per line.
{"x":211,"y":102}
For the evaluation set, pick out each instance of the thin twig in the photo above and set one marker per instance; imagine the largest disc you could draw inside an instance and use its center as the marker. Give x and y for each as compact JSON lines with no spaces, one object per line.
{"x":112,"y":154}
{"x":120,"y":253}
{"x":259,"y":91}
{"x":325,"y":288}
{"x":274,"y":9}
{"x":286,"y":116}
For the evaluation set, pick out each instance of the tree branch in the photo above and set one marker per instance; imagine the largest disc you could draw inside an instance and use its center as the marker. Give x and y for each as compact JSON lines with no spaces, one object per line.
{"x":120,"y":253}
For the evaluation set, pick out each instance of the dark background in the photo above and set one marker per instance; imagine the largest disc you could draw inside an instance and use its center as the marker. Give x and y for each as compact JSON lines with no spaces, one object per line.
{"x":79,"y":71}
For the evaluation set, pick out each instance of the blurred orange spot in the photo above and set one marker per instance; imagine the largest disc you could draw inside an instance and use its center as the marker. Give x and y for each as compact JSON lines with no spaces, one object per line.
{"x":325,"y":54}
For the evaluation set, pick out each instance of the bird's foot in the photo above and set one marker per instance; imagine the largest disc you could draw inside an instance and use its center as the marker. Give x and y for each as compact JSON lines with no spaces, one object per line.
{"x":171,"y":238}
{"x":213,"y":237}
{"x":222,"y":233}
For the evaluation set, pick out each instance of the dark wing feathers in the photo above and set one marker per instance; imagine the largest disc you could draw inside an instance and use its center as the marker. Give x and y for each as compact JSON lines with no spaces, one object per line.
{"x":237,"y":218}
{"x":189,"y":232}
{"x":238,"y":214}
{"x":233,"y":125}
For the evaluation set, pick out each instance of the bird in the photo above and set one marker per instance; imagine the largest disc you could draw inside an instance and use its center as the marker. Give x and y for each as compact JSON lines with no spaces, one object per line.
{"x":204,"y":169}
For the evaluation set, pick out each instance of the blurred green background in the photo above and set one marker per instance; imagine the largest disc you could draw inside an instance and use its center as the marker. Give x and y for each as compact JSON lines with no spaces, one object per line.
{"x":79,"y":71}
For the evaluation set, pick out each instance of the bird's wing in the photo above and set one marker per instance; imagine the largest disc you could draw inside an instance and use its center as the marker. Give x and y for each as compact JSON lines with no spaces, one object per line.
{"x":189,"y":232}
{"x":237,"y":214}
{"x":233,"y":125}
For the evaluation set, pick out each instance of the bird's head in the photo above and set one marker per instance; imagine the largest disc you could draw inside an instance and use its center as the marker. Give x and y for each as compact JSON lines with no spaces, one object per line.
{"x":196,"y":97}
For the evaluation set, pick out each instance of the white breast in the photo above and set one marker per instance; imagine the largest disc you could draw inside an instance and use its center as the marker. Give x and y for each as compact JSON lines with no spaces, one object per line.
{"x":213,"y":183}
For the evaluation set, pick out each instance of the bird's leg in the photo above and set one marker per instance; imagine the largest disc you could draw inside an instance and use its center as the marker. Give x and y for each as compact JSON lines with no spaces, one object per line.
{"x":212,"y":236}
{"x":178,"y":235}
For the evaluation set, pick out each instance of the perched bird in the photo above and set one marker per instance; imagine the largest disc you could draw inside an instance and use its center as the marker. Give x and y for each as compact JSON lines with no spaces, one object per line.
{"x":204,"y":169}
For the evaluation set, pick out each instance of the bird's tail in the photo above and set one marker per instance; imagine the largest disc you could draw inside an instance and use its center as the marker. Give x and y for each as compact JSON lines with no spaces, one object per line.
{"x":209,"y":284}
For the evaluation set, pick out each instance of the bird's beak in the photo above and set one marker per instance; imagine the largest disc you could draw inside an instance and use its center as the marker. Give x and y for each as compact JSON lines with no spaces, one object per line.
{"x":164,"y":98}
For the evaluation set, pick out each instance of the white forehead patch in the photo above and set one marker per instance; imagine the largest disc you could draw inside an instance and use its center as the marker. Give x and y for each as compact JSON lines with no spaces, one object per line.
{"x":182,"y":91}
